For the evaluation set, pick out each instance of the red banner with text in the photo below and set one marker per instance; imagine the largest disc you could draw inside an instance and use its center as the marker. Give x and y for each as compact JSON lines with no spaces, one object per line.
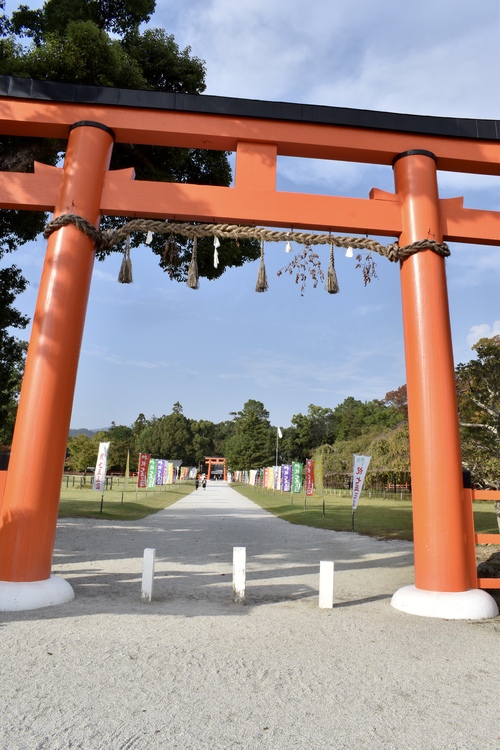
{"x":309,"y":477}
{"x":142,"y":473}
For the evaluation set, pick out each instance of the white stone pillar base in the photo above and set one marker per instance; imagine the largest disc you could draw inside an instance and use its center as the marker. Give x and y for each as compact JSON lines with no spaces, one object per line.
{"x":474,"y":604}
{"x":24,"y":595}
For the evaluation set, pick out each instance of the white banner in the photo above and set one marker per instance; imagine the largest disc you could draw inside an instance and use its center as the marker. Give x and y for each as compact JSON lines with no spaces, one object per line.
{"x":358,"y":477}
{"x":101,"y":466}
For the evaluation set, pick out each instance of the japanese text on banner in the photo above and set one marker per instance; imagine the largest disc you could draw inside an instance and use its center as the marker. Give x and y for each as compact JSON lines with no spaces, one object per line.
{"x":142,"y":473}
{"x":101,"y":466}
{"x":309,"y":477}
{"x":358,"y":477}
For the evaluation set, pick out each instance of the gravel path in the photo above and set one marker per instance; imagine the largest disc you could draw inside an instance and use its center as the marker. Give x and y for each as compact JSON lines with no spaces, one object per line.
{"x":194,"y":671}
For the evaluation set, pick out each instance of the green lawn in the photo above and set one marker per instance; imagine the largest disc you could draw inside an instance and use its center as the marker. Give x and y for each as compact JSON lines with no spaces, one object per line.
{"x":383,"y":518}
{"x":119,"y":503}
{"x":386,"y":517}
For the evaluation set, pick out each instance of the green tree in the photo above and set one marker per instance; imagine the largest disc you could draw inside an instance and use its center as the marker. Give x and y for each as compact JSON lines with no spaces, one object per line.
{"x":100,"y":43}
{"x":168,"y":437}
{"x":478,"y":392}
{"x":12,"y":350}
{"x":121,"y":442}
{"x":139,"y":425}
{"x":353,"y":417}
{"x":251,"y":445}
{"x":82,"y":450}
{"x":390,"y":452}
{"x":203,"y":440}
{"x":398,"y":401}
{"x":308,"y":432}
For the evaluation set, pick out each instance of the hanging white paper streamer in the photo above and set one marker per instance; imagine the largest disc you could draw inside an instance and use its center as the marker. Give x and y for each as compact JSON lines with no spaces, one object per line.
{"x":149,"y":237}
{"x":349,"y":253}
{"x":216,"y":254}
{"x":288,"y":247}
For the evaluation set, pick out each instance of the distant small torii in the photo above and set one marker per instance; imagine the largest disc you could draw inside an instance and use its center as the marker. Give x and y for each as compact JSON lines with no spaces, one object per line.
{"x":216,"y":461}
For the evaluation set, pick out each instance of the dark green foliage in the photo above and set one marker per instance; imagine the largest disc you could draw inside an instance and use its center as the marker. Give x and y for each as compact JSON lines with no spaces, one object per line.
{"x":309,"y":432}
{"x":12,"y":350}
{"x":478,"y":389}
{"x":251,"y":444}
{"x":115,"y":17}
{"x":168,"y":437}
{"x":71,"y":42}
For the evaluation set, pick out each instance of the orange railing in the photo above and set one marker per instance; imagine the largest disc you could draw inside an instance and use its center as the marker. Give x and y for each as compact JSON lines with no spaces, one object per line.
{"x":471,"y":496}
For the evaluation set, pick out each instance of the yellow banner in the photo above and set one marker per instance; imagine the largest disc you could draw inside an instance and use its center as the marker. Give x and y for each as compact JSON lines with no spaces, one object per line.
{"x":318,"y":474}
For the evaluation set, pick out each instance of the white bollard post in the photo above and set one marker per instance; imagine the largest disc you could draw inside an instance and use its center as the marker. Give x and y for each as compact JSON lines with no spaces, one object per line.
{"x":326,"y":584}
{"x":148,"y":574}
{"x":239,"y":574}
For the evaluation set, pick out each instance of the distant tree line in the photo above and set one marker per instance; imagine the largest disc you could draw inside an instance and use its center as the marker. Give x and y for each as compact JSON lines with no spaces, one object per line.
{"x":378,"y":428}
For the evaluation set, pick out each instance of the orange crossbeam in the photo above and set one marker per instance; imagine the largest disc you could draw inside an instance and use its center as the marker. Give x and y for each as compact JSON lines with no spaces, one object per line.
{"x":123,"y":196}
{"x":49,"y":119}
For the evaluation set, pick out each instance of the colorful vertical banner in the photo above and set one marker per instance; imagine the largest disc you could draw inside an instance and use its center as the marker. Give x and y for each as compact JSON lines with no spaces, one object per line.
{"x":309,"y":477}
{"x":170,"y":473}
{"x":270,"y":477}
{"x":142,"y":472}
{"x":277,"y":477}
{"x":151,"y":480}
{"x":360,"y":466}
{"x":286,"y":477}
{"x":265,"y":478}
{"x":318,"y":474}
{"x":101,"y":466}
{"x":296,"y":477}
{"x":160,"y":471}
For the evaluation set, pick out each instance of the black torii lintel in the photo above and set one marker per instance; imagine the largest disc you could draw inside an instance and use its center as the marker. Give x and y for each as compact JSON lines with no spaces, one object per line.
{"x":451,"y":127}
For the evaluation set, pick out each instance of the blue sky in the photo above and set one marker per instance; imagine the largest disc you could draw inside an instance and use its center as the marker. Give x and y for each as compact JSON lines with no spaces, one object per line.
{"x":155,"y":342}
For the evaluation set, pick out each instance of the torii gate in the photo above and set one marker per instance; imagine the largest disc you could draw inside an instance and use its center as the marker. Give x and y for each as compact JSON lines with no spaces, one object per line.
{"x":91,"y":118}
{"x":211,"y":461}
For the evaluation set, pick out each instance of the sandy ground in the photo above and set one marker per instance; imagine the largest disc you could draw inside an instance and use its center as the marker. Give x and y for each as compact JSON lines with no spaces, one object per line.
{"x":192,"y":670}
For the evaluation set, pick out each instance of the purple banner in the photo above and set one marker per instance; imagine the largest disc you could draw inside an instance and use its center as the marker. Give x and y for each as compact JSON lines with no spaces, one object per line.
{"x":286,"y":477}
{"x":160,"y":470}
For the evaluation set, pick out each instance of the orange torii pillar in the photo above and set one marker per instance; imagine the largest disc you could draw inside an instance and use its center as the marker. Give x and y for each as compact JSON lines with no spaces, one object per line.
{"x":31,"y":499}
{"x":442,"y":584}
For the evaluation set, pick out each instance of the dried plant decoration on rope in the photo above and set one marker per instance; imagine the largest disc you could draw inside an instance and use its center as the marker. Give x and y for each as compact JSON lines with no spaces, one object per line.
{"x":261,"y":285}
{"x":192,"y":279}
{"x":332,"y":284}
{"x":368,"y":266}
{"x":125,"y":275}
{"x":305,"y":263}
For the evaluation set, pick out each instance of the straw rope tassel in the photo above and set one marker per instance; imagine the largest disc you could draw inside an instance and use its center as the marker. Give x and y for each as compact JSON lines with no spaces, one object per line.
{"x":261,"y":285}
{"x":332,"y":285}
{"x":192,"y":277}
{"x":125,"y":274}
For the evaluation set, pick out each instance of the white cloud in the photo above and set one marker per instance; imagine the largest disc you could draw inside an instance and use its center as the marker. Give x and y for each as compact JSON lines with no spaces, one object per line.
{"x":98,"y":274}
{"x":483,"y":331}
{"x":472,"y":266}
{"x":432,"y":59}
{"x":354,"y":370}
{"x":113,"y":359}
